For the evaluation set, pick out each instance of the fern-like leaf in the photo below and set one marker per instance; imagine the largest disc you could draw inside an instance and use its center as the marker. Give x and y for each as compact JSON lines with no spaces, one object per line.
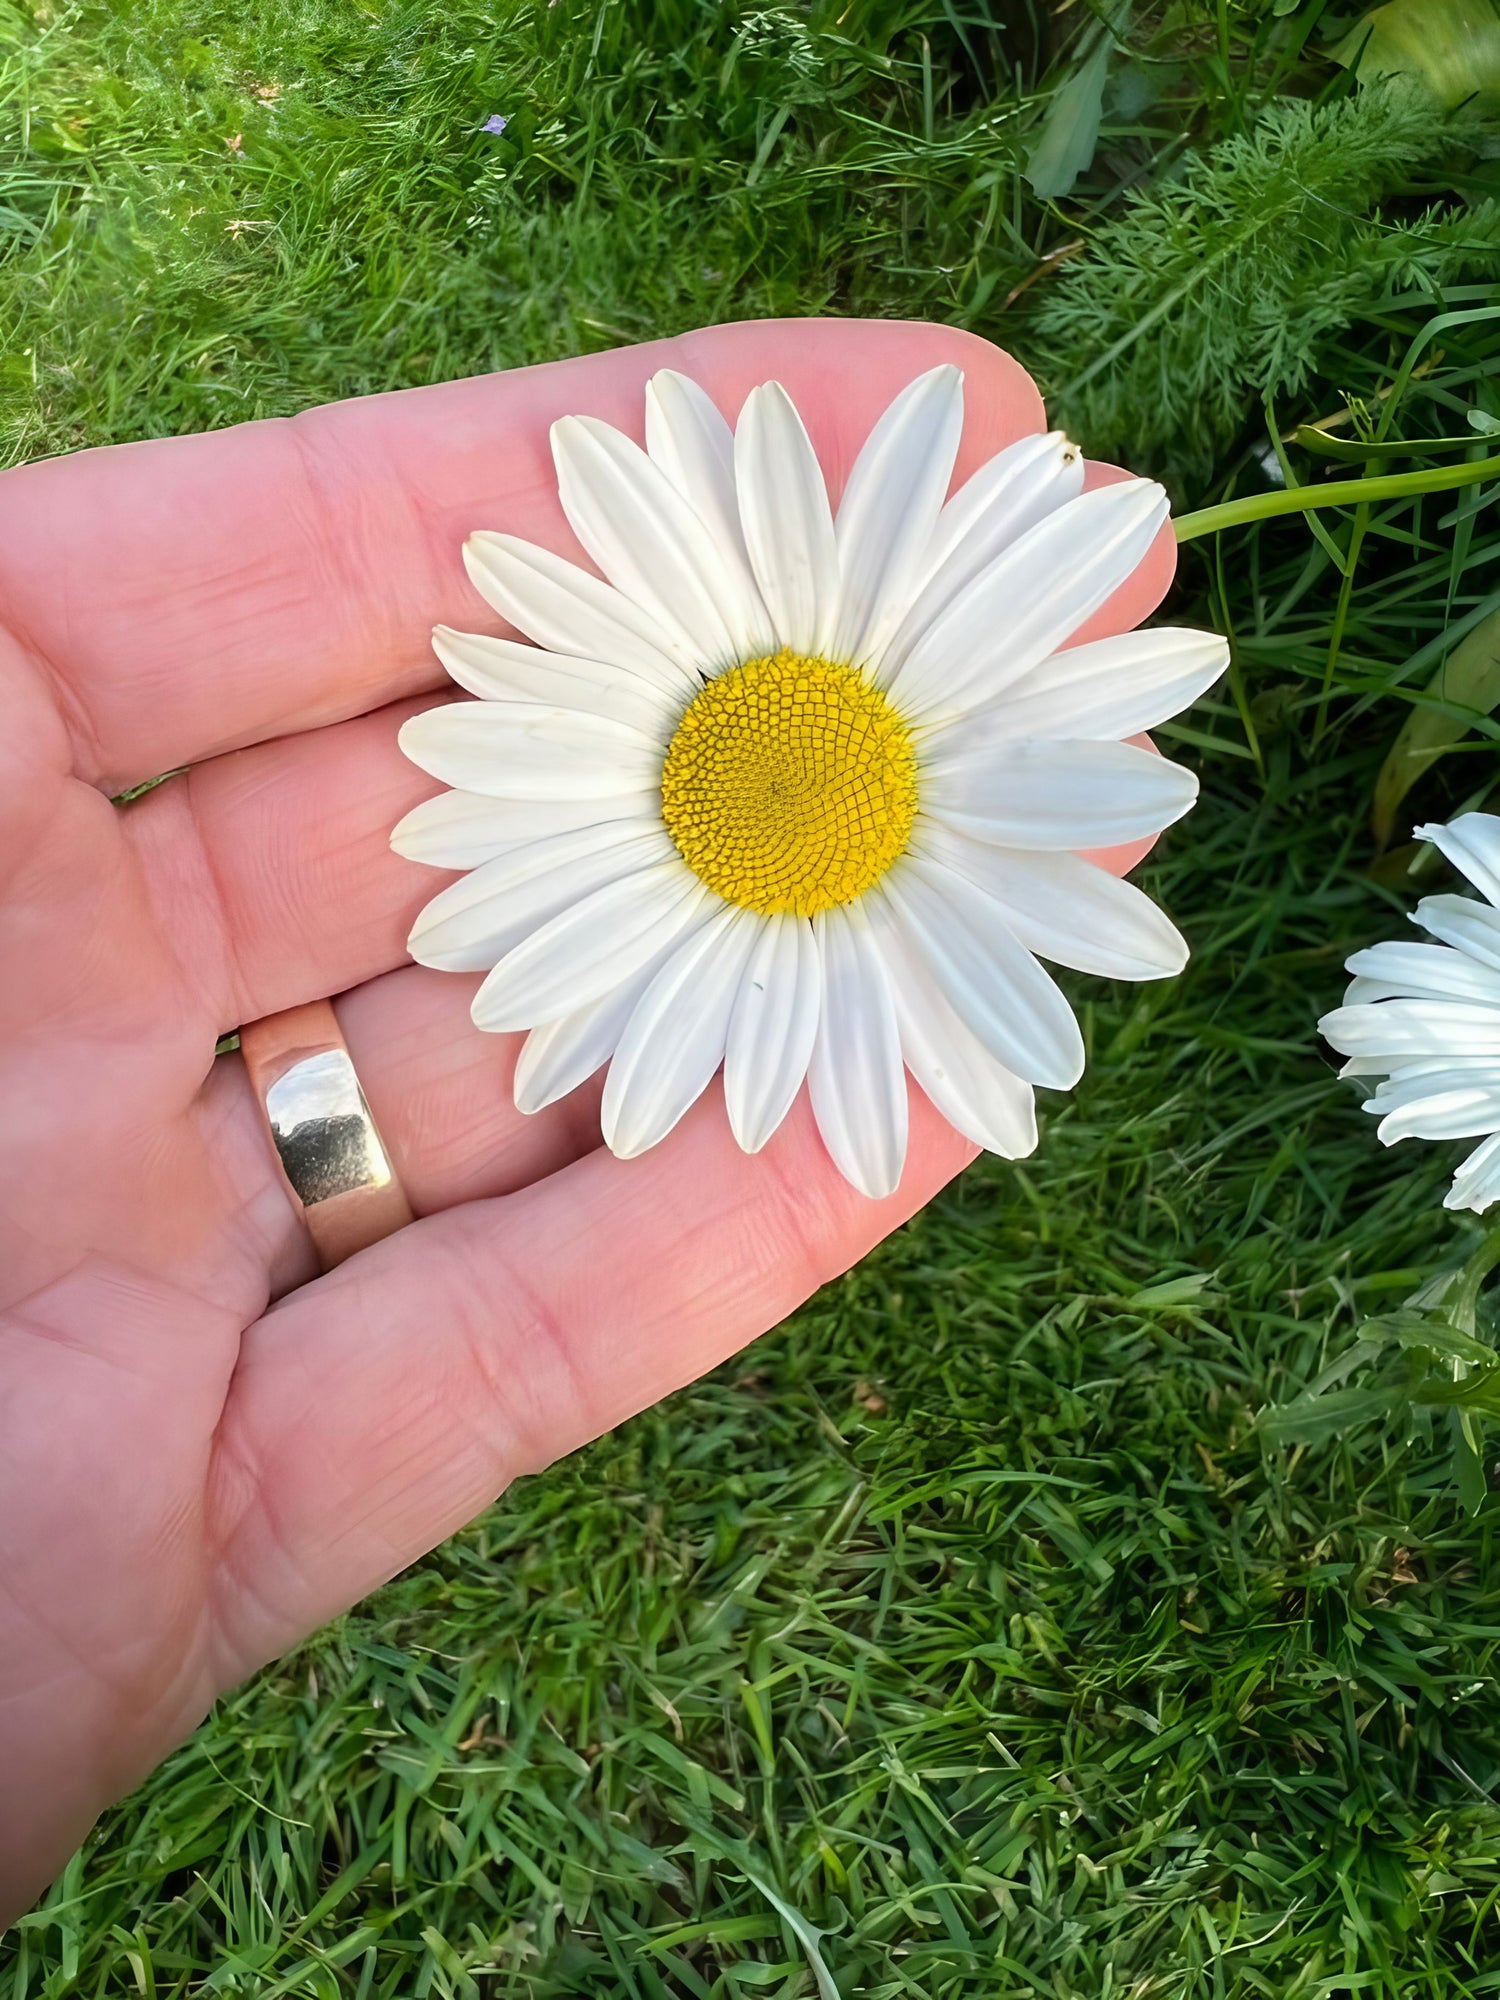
{"x":1232,"y":277}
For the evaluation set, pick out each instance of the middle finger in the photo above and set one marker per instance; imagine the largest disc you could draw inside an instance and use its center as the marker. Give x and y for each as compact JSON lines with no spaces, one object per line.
{"x":271,"y":868}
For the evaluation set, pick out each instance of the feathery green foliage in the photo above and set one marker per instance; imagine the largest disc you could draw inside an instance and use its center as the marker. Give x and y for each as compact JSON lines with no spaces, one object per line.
{"x":1225,"y":283}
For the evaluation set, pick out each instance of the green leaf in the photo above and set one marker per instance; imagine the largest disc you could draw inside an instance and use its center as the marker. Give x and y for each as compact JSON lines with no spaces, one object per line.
{"x":1469,"y":1392}
{"x":1064,"y":146}
{"x":1311,"y":1419}
{"x":1359,"y":451}
{"x":1468,"y":682}
{"x":1429,"y":1330}
{"x":1183,"y":1291}
{"x":807,"y":1935}
{"x":1451,"y":47}
{"x":1468,"y":1463}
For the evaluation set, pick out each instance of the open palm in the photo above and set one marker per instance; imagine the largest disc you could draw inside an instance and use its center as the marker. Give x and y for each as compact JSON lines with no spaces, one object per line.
{"x":205,"y":1448}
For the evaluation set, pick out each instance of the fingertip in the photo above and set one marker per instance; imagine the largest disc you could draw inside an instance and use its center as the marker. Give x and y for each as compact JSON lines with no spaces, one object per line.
{"x":841,"y":373}
{"x":1146,"y":586}
{"x":1131,"y":853}
{"x":1120,"y":860}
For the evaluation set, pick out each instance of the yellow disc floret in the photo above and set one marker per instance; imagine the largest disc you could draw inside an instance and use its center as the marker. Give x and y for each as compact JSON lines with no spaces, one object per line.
{"x":790,"y":785}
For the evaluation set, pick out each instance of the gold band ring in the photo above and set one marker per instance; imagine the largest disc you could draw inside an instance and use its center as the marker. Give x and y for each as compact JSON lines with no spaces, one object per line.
{"x":331,"y":1154}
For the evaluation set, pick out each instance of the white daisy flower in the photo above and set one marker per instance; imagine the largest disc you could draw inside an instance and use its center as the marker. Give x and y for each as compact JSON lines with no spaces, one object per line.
{"x":1425,"y":1018}
{"x":801,"y":794}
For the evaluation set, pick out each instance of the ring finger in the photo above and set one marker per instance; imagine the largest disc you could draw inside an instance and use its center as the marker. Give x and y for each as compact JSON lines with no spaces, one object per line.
{"x":440,"y":1095}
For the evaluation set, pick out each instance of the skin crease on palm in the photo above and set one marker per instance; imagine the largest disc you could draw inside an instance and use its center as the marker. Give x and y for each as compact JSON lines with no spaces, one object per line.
{"x":206,"y":1449}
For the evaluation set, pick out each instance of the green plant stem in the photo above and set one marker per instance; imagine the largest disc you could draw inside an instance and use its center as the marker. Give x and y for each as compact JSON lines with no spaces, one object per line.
{"x":1340,"y":493}
{"x":1463,"y":1302}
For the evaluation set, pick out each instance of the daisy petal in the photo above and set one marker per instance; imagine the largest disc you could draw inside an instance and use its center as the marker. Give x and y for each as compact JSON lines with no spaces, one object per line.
{"x":557,"y":1058}
{"x":589,"y":946}
{"x":646,"y":538}
{"x":785,"y":514}
{"x":962,"y":1080}
{"x":568,"y":611}
{"x":772,"y":1029}
{"x":1397,"y":1028}
{"x":1408,"y":1066}
{"x":1051,"y":796}
{"x":1069,"y":911}
{"x":1472,"y":843}
{"x":891,"y":505}
{"x":500,"y":670}
{"x":470,"y":925}
{"x":1450,"y":1104}
{"x":526,"y":750}
{"x":462,"y":829}
{"x":1009,"y":494}
{"x":856,"y":1079}
{"x":1477,"y":1182}
{"x":1471,"y":926}
{"x":689,"y":438}
{"x":1030,"y":600}
{"x":1113,"y":688}
{"x":988,"y":977}
{"x":674,"y":1039}
{"x":1396,"y":970}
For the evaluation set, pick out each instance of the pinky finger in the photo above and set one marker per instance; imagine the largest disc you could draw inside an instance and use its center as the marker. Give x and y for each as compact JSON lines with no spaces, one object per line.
{"x":375,"y":1411}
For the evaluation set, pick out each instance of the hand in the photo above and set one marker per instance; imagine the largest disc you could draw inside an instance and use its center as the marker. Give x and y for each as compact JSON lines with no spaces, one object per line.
{"x":206,"y":1449}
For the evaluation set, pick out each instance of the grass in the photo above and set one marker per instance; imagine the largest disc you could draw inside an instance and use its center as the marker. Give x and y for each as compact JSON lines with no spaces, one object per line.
{"x":964,"y":1637}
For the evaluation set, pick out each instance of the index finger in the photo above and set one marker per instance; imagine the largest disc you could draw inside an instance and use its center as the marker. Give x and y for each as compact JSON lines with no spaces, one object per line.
{"x":193,"y":595}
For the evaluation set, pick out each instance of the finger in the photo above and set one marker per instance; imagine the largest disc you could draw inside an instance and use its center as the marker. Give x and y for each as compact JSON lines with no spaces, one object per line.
{"x":377,"y":1410}
{"x":1147,"y":584}
{"x":1133,"y":603}
{"x":190,"y":595}
{"x":271,"y":874}
{"x":270,"y":870}
{"x":442,"y":1093}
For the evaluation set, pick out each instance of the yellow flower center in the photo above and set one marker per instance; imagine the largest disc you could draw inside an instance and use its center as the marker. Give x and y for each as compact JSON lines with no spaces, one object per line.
{"x":790,"y":785}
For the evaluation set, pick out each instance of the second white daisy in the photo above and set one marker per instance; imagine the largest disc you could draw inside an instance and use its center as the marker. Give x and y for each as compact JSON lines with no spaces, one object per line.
{"x":1424,"y":1019}
{"x":800,"y":795}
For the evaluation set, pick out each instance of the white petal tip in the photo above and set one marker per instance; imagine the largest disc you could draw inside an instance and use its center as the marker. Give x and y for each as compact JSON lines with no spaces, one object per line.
{"x":402,"y":841}
{"x":753,"y":1139}
{"x":626,"y":1144}
{"x":1476,"y":1204}
{"x":768,"y":392}
{"x":489,"y":1020}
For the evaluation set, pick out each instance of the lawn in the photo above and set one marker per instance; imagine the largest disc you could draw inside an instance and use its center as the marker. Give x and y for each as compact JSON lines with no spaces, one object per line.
{"x":977,"y":1632}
